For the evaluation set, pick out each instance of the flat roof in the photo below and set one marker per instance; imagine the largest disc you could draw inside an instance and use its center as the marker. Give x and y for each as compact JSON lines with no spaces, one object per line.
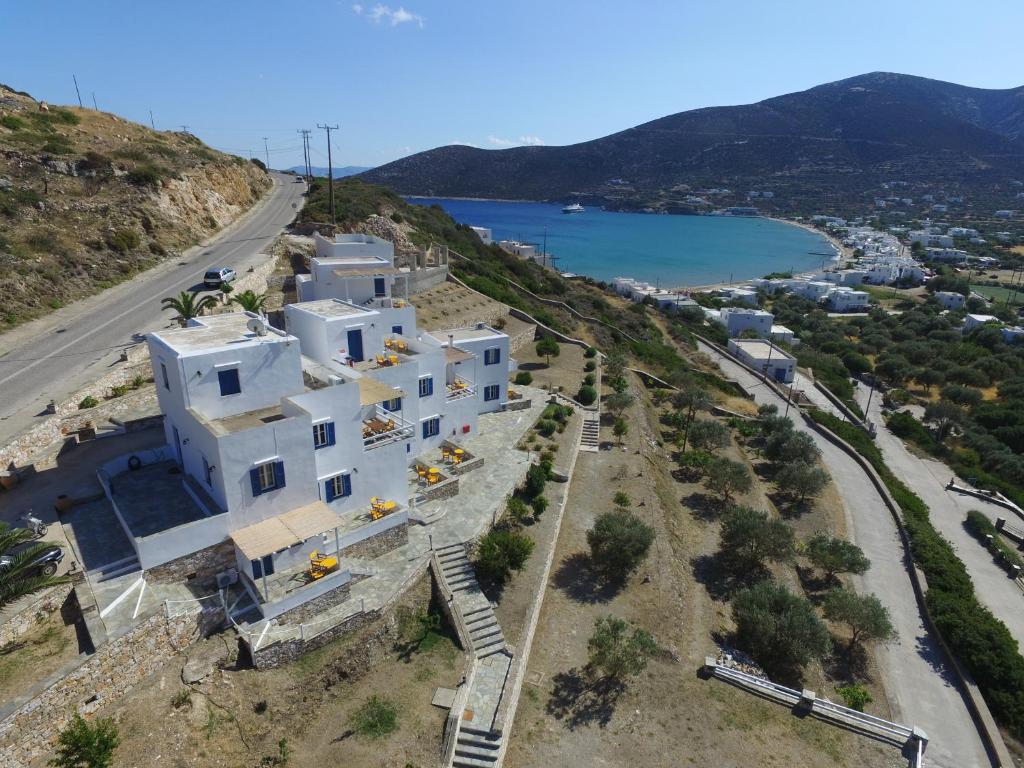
{"x":331,"y":308}
{"x":465,"y":334}
{"x":284,"y":530}
{"x":360,"y":271}
{"x":218,"y":331}
{"x":372,"y":391}
{"x":227,"y":425}
{"x":761,"y":349}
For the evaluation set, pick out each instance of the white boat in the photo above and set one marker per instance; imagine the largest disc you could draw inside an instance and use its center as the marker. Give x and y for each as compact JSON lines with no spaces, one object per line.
{"x":573,"y":208}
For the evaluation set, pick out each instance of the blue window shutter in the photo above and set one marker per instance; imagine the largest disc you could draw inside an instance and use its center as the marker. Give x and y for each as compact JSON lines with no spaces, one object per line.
{"x":229,"y":382}
{"x":254,"y":477}
{"x":396,"y":329}
{"x":257,"y":569}
{"x":497,"y":355}
{"x":430,"y":386}
{"x":329,"y":490}
{"x":279,"y":474}
{"x":426,"y":429}
{"x":330,"y":433}
{"x":346,"y":485}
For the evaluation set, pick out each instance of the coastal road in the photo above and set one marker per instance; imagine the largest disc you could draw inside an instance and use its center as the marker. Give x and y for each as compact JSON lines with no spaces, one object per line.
{"x":50,"y":358}
{"x":920,"y":690}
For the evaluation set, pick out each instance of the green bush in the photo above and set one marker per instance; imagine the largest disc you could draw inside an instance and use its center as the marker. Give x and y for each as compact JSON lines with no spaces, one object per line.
{"x":779,"y":629}
{"x":58,"y":144}
{"x":589,"y":380}
{"x":84,"y":745}
{"x":855,"y":696}
{"x":524,"y":377}
{"x":146,"y":175}
{"x":123,"y":240}
{"x":375,"y":718}
{"x":589,"y":366}
{"x":88,"y":402}
{"x":621,"y":499}
{"x":980,"y":527}
{"x":499,"y":553}
{"x":539,"y":505}
{"x":616,"y":654}
{"x":587,"y":395}
{"x":547,"y":427}
{"x":12,"y":123}
{"x":619,"y":542}
{"x":591,"y":352}
{"x":536,"y":478}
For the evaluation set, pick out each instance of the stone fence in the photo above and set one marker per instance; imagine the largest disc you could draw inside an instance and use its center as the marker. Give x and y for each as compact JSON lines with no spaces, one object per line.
{"x":29,"y":732}
{"x":23,"y":618}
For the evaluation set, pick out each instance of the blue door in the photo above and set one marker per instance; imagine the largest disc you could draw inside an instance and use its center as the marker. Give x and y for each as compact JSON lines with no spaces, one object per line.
{"x":378,"y":287}
{"x":355,"y":345}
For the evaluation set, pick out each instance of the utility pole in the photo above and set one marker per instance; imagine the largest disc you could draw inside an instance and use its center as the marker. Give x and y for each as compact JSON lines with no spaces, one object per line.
{"x":76,"y":89}
{"x":94,"y":101}
{"x":305,"y":153}
{"x":152,"y":123}
{"x":330,"y":167}
{"x":266,"y":152}
{"x":185,"y":129}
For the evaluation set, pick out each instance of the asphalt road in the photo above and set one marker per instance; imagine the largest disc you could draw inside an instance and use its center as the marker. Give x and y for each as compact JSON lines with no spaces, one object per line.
{"x":920,"y":690}
{"x":50,"y":358}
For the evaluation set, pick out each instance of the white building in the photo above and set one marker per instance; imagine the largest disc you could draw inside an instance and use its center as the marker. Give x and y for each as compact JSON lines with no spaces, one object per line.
{"x":353,"y":267}
{"x":737,"y":320}
{"x":812,"y":290}
{"x":764,"y":357}
{"x":484,"y":234}
{"x":1012,"y":334}
{"x":516,"y":248}
{"x":948,"y":255}
{"x":847,"y":300}
{"x":741,"y":295}
{"x":783,"y":335}
{"x":973,"y":321}
{"x":950,"y":300}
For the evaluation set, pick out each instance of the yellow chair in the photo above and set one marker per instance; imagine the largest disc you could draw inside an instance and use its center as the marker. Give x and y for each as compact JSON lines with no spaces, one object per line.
{"x":446,"y":455}
{"x":388,"y":343}
{"x":381,"y":360}
{"x":433,"y":476}
{"x":321,"y":565}
{"x":393,"y":359}
{"x":421,"y":471}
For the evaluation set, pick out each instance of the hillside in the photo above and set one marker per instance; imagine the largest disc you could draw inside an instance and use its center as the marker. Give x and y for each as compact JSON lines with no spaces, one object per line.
{"x":832,"y":142}
{"x":88,"y":199}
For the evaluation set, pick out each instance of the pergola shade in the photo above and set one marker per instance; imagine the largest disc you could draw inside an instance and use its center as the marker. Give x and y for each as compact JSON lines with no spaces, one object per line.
{"x":372,"y":391}
{"x":285,"y":530}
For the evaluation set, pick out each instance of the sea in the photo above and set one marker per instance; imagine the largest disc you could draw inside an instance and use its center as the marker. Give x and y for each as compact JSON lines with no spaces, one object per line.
{"x":669,"y":251}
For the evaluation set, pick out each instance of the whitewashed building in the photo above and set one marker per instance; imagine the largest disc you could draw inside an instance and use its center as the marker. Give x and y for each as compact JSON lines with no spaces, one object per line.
{"x":484,"y":233}
{"x":847,"y":300}
{"x":737,"y":320}
{"x":765,"y":357}
{"x":950,"y":300}
{"x":973,"y":321}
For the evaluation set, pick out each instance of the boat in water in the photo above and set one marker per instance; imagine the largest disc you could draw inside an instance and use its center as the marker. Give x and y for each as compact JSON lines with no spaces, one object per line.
{"x":573,"y":208}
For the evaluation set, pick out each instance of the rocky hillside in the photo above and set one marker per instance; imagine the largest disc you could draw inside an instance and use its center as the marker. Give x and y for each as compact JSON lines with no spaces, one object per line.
{"x":88,"y":199}
{"x":830,"y":142}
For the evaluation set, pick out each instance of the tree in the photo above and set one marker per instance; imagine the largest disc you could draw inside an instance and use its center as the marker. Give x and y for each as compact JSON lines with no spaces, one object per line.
{"x":790,"y":446}
{"x":707,"y":434}
{"x":767,"y":409}
{"x":250,"y":301}
{"x":864,"y":615}
{"x":375,"y":718}
{"x":620,"y":430}
{"x":501,"y":552}
{"x":749,"y":537}
{"x":615,"y":652}
{"x":778,"y":628}
{"x":615,"y":365}
{"x":18,"y":577}
{"x":81,"y":745}
{"x":945,"y":415}
{"x":536,"y":478}
{"x":517,"y":510}
{"x":617,"y":402}
{"x":801,"y":481}
{"x":833,"y":555}
{"x":726,"y":477}
{"x":687,"y":402}
{"x":696,"y":462}
{"x":539,"y":505}
{"x":547,"y":347}
{"x":188,"y":305}
{"x":586,"y":395}
{"x":619,"y":542}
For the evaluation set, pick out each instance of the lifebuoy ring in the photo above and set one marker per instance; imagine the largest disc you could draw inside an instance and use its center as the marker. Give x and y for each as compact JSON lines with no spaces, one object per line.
{"x":134,"y":463}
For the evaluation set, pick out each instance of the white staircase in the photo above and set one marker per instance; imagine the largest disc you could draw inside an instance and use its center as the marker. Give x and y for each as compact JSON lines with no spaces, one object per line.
{"x":480,"y":631}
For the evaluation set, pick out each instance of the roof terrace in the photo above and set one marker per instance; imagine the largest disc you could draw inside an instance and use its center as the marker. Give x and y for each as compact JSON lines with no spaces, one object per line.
{"x":206,"y":333}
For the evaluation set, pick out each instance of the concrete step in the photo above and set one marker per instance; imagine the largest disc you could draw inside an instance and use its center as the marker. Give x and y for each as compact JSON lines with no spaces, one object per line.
{"x":484,"y":616}
{"x":484,"y":627}
{"x":480,"y":733}
{"x":490,"y":743}
{"x":456,"y":566}
{"x":450,"y":548}
{"x":464,"y":761}
{"x":487,"y":637}
{"x":477,"y":753}
{"x":490,"y":648}
{"x":459,"y":579}
{"x":113,"y":570}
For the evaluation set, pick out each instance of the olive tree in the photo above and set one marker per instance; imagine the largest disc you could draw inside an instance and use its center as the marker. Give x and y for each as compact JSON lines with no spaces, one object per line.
{"x":749,"y":537}
{"x":864,"y":616}
{"x":833,"y":555}
{"x":726,"y":477}
{"x":616,"y":652}
{"x":779,"y":629}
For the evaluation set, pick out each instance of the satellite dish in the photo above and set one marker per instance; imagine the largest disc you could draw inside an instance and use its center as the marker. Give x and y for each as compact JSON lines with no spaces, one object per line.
{"x":257,"y":326}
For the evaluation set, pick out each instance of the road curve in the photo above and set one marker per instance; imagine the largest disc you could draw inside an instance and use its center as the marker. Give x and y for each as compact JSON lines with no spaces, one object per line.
{"x":52,"y":357}
{"x":920,"y":690}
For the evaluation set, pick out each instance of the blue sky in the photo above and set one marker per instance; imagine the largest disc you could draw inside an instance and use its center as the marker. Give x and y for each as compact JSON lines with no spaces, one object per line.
{"x":406,"y":76}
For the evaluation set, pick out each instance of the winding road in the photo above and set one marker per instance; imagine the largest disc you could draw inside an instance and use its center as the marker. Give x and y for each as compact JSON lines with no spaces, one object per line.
{"x":920,"y":690}
{"x":50,"y":358}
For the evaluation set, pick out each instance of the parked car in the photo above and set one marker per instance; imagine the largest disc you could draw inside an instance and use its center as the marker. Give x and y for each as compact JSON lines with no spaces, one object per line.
{"x":215,"y":278}
{"x":46,"y":561}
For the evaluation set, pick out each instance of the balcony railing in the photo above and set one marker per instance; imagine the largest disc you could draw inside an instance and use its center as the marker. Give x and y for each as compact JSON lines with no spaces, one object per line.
{"x":458,"y":389}
{"x":383,"y":427}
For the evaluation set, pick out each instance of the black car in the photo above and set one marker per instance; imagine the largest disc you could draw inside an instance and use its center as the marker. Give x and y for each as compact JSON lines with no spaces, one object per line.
{"x":45,"y":563}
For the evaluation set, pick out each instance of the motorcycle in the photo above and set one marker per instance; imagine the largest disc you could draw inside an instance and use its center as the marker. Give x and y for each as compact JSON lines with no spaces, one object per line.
{"x":34,"y":524}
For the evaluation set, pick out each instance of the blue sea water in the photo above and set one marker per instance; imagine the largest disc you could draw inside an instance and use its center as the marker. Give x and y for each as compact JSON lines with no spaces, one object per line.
{"x":670,"y":251}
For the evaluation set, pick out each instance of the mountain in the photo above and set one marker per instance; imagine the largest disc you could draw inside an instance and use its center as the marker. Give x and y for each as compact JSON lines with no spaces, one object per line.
{"x":87,"y":199}
{"x":339,"y":173}
{"x":838,"y":139}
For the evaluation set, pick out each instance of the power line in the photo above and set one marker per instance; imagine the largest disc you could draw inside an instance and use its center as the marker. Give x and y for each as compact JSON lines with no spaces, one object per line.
{"x":330,"y":167}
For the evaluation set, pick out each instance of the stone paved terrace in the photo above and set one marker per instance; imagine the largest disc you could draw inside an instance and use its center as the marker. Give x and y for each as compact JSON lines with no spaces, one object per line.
{"x":154,"y":499}
{"x":485,"y":692}
{"x":466,"y":517}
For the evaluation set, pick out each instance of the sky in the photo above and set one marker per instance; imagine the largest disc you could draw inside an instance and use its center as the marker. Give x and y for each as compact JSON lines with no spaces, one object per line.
{"x":406,"y":76}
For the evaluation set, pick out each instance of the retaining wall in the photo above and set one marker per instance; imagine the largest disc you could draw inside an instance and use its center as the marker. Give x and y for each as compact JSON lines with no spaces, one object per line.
{"x":20,"y":621}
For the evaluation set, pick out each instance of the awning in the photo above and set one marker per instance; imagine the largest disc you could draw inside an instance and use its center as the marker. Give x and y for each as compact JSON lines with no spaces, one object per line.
{"x":372,"y":391}
{"x":366,"y":272}
{"x":456,"y":355}
{"x":285,"y":530}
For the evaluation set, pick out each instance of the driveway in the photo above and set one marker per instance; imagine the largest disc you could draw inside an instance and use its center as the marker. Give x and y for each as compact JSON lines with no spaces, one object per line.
{"x":921,"y":691}
{"x":928,"y":478}
{"x":52,"y":357}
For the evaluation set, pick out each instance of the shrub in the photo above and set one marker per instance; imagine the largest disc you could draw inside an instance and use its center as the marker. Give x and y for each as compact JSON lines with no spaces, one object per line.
{"x":123,"y":240}
{"x":707,"y":434}
{"x":980,"y":527}
{"x":749,"y":537}
{"x":547,"y":427}
{"x":615,"y":652}
{"x":589,"y":380}
{"x":375,"y":718}
{"x":146,"y":175}
{"x":88,"y":402}
{"x":517,"y":509}
{"x":800,"y":481}
{"x":182,"y":698}
{"x":501,"y":552}
{"x":789,"y":446}
{"x":864,"y":615}
{"x":12,"y":123}
{"x":856,"y":696}
{"x":259,"y":164}
{"x":539,"y":504}
{"x":590,"y":353}
{"x":621,"y":499}
{"x":726,"y":477}
{"x":536,"y":477}
{"x":57,"y":144}
{"x":589,"y":366}
{"x":779,"y":629}
{"x":587,"y":395}
{"x":524,"y":377}
{"x":833,"y":555}
{"x":619,"y":542}
{"x":82,"y":745}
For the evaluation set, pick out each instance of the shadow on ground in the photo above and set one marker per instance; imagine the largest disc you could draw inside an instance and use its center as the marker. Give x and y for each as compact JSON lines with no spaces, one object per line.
{"x":580,"y":580}
{"x":579,"y":701}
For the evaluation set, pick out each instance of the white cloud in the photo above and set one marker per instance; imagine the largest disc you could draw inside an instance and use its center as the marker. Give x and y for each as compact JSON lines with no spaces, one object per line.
{"x":533,"y":141}
{"x":384,"y":13}
{"x":499,"y":142}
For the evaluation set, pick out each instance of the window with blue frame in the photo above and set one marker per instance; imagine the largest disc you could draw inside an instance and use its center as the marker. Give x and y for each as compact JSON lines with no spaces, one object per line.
{"x":379,"y":287}
{"x":393,"y":405}
{"x":163,"y":374}
{"x":338,"y":487}
{"x":263,"y":566}
{"x":267,"y":477}
{"x":229,"y":383}
{"x":492,"y":356}
{"x":426,"y":386}
{"x":323,"y":434}
{"x":396,"y":329}
{"x":492,"y":392}
{"x":432,"y":427}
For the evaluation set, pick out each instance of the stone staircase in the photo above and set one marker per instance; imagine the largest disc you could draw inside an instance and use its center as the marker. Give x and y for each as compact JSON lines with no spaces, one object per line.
{"x":590,"y":439}
{"x":475,"y":748}
{"x":479,"y":630}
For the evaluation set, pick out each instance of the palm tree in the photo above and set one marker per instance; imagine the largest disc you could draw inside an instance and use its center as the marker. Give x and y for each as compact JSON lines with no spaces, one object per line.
{"x":250,"y":301}
{"x":17,"y":577}
{"x":188,"y":305}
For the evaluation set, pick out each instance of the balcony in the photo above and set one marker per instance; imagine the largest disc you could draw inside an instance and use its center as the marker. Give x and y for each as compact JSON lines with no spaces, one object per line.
{"x":382,"y":427}
{"x":458,"y":389}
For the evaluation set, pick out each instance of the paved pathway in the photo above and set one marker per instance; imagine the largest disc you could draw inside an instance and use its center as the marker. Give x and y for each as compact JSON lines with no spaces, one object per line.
{"x":920,"y":690}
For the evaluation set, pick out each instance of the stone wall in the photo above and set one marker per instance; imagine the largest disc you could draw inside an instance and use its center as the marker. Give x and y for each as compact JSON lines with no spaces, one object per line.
{"x":200,"y":568}
{"x":29,"y":732}
{"x":317,"y":605}
{"x":445,"y":489}
{"x":425,"y":279}
{"x":477,"y":462}
{"x":517,"y":405}
{"x":25,"y":617}
{"x":522,"y":339}
{"x":375,"y":546}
